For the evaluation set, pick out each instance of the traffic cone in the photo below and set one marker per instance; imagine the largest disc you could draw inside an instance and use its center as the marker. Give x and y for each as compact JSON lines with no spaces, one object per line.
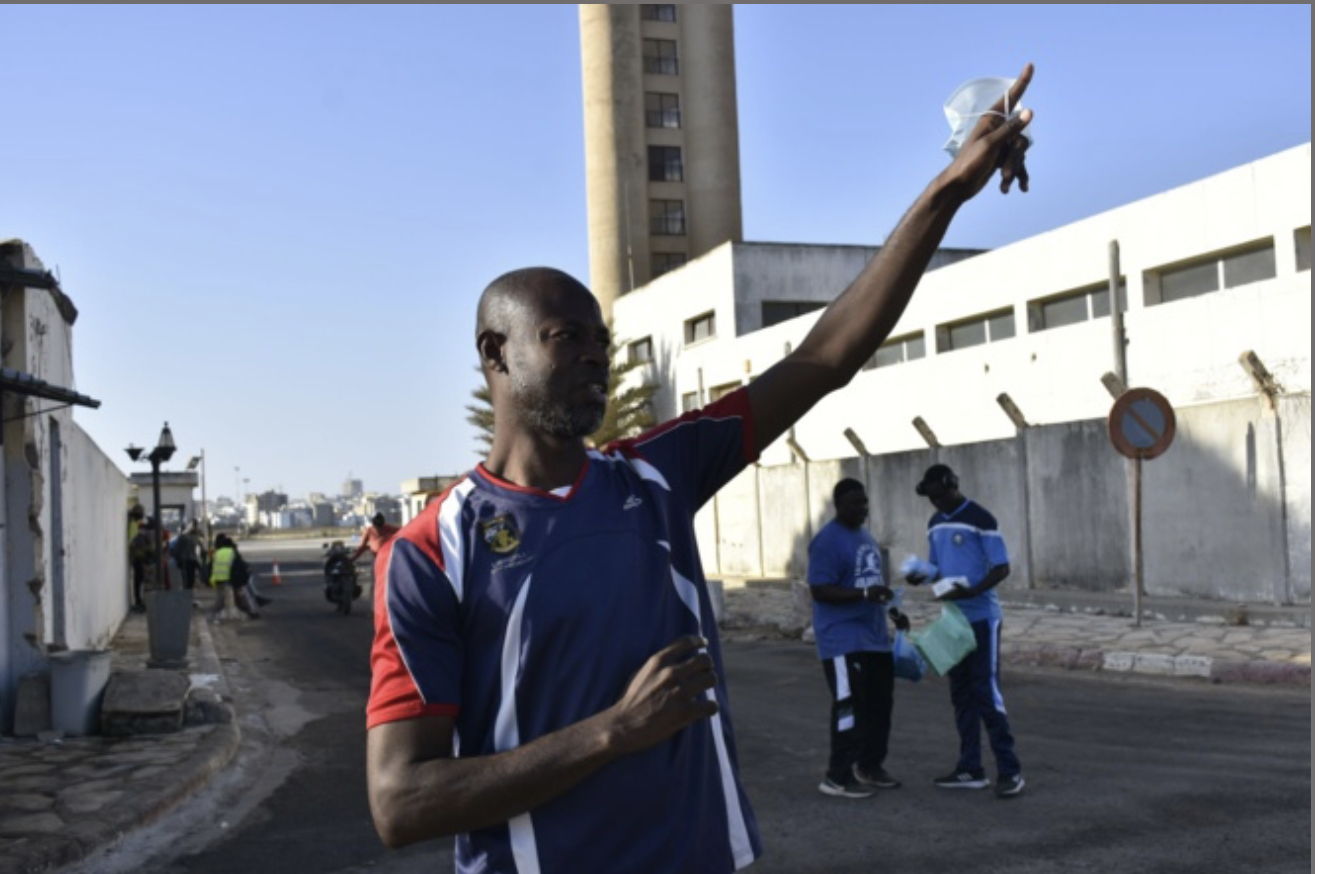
{"x":274,"y":575}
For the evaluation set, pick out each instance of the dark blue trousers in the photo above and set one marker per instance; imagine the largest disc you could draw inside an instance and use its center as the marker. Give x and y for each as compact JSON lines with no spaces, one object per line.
{"x":977,"y":698}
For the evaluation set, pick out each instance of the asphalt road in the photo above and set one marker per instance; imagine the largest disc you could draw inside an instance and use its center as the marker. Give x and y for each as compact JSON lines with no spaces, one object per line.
{"x":1124,"y":774}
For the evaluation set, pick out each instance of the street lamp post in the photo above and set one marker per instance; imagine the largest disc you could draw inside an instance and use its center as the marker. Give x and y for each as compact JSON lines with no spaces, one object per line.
{"x":168,"y":615}
{"x":163,"y":452}
{"x":205,"y":509}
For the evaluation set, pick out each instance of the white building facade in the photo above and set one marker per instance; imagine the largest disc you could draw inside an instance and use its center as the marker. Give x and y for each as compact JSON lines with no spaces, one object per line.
{"x":1209,"y":272}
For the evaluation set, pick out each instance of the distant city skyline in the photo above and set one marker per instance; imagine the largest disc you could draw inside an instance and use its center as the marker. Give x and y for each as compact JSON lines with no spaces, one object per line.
{"x":275,"y":221}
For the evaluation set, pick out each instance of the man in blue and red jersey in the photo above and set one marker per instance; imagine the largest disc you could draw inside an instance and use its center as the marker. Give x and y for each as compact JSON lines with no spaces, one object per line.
{"x":965,"y":544}
{"x":547,"y":680}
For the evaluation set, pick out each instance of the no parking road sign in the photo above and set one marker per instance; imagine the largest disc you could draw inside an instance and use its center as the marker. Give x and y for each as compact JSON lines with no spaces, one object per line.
{"x":1141,"y":424}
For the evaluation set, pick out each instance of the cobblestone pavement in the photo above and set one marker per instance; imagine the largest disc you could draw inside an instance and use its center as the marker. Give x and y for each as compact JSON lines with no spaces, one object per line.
{"x":62,"y":798}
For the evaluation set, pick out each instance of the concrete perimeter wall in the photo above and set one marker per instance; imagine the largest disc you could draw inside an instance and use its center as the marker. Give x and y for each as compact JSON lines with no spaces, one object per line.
{"x":1227,"y":510}
{"x":98,"y":587}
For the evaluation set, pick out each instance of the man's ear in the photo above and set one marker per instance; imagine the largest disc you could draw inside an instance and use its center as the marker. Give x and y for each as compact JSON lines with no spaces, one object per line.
{"x":490,"y":345}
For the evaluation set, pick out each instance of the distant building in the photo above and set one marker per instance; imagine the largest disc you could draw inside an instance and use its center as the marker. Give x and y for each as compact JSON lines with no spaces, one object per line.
{"x":419,"y":492}
{"x":265,"y":502}
{"x":390,"y":506}
{"x":322,"y":514}
{"x":352,"y":488}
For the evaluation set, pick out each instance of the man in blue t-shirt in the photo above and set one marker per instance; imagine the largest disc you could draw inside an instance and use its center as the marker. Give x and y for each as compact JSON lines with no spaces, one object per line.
{"x":546,"y":678}
{"x":966,"y":550}
{"x":851,"y":635}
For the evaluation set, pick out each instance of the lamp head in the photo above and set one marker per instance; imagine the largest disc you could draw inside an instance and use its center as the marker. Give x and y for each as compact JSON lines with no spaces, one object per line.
{"x":134,"y":452}
{"x":165,"y":447}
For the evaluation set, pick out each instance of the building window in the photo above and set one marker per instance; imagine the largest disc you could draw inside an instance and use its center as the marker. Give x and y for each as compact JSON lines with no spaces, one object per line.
{"x":657,"y":12}
{"x":662,"y":110}
{"x":1073,"y":307}
{"x":896,"y":350}
{"x":665,"y":163}
{"x":1186,"y":282}
{"x":667,"y":218}
{"x":720,"y":391}
{"x":662,"y":262}
{"x":1217,"y":272}
{"x":640,"y":352}
{"x":987,"y":328}
{"x":659,"y":56}
{"x":1248,"y":267}
{"x":690,"y":401}
{"x":699,"y":328}
{"x":774,"y":311}
{"x":1304,"y":248}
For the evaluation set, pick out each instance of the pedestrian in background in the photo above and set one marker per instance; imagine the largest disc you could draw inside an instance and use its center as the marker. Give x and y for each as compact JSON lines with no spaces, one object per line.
{"x":186,"y":550}
{"x":850,"y":617}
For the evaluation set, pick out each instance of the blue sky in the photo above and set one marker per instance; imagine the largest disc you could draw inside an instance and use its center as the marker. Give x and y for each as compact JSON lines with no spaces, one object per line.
{"x":276,"y":221}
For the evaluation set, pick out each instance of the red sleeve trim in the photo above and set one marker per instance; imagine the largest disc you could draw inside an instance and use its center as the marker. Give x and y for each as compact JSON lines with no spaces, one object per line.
{"x":408,"y":710}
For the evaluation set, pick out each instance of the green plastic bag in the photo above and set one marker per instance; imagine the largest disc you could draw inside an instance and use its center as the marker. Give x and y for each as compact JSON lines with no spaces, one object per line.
{"x":946,"y":641}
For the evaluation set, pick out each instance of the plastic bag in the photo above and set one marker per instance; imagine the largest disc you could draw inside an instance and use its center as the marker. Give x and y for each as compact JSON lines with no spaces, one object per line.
{"x":971,"y":101}
{"x":907,"y":663}
{"x":946,"y":641}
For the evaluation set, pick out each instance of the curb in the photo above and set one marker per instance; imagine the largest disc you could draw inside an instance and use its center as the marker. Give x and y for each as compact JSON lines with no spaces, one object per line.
{"x":1207,"y":668}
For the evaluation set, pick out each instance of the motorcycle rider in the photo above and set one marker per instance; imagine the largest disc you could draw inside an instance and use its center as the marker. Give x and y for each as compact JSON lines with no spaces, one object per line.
{"x":376,"y":535}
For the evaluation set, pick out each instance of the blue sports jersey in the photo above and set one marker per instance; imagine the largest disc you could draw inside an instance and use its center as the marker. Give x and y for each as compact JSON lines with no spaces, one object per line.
{"x":967,"y":543}
{"x":847,"y":557}
{"x":521,"y":612}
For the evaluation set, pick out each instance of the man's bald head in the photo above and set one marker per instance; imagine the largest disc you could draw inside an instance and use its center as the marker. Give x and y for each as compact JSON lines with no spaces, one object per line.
{"x":543,"y":351}
{"x":506,"y":300}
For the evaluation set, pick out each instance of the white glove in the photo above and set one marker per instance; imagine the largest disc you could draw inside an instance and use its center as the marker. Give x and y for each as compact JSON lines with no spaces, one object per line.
{"x":919,"y":567}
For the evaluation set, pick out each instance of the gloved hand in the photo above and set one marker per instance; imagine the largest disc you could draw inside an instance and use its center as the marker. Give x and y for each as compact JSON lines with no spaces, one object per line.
{"x":917,"y":570}
{"x":880,"y":593}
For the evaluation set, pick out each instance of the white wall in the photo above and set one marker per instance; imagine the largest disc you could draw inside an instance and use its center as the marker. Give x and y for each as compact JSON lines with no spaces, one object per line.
{"x":96,"y":540}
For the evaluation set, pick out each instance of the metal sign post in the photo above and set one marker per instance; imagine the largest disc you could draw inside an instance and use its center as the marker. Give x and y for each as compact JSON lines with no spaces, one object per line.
{"x":1141,"y":426}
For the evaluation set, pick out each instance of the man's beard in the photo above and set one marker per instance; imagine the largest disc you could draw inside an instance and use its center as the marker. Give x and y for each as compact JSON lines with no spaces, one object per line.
{"x":554,"y":417}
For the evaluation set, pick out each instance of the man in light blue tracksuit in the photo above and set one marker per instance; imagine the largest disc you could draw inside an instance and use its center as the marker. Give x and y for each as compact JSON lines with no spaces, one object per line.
{"x":966,"y":546}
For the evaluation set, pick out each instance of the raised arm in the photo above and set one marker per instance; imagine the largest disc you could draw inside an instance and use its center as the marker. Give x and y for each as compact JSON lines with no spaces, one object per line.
{"x":860,"y":319}
{"x":419,"y":791}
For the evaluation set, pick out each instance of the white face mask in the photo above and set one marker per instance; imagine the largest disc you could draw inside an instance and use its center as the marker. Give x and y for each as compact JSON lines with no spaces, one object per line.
{"x":973,"y":100}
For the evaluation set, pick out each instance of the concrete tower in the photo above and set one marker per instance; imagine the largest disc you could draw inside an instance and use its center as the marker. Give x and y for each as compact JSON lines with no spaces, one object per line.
{"x":663,"y":177}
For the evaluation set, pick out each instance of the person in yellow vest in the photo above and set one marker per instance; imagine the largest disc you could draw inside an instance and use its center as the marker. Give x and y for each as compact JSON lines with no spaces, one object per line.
{"x":229,"y":568}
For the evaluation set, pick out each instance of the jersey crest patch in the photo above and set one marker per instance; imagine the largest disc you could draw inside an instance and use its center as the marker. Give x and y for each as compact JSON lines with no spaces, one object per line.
{"x":500,"y":534}
{"x":958,"y":538}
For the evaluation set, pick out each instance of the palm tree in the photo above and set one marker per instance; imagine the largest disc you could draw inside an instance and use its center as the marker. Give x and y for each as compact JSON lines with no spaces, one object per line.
{"x":481,"y":417}
{"x":628,"y":412}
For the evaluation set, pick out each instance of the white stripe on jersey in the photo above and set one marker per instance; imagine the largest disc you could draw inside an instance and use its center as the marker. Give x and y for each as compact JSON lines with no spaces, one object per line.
{"x":450,"y":534}
{"x":961,"y":526}
{"x":738,"y":834}
{"x":521,"y":831}
{"x":644,"y":469}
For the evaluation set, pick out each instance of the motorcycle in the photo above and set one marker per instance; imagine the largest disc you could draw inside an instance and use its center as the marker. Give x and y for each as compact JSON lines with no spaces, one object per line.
{"x":341,"y":586}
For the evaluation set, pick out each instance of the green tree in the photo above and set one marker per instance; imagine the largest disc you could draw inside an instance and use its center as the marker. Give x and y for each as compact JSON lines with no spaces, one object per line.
{"x":628,"y":412}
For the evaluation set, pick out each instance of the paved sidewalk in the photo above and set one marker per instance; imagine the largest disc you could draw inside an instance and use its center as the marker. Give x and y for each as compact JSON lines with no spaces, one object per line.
{"x":61,"y":799}
{"x":1203,"y":641}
